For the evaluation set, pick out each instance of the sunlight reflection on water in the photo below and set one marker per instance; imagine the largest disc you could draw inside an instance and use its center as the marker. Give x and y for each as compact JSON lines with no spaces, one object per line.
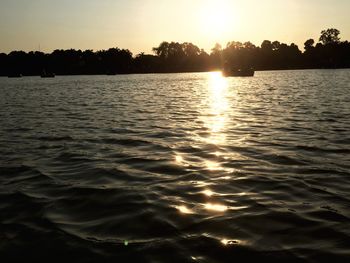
{"x":215,"y":116}
{"x":184,"y":210}
{"x":190,"y":163}
{"x":216,"y":207}
{"x":179,"y":159}
{"x":208,"y":192}
{"x":227,"y":242}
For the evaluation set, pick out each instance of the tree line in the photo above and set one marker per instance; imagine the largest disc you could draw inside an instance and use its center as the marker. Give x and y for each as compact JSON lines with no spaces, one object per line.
{"x":328,"y":52}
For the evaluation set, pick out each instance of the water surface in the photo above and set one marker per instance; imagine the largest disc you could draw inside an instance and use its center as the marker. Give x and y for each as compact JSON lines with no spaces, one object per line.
{"x":176,"y":168}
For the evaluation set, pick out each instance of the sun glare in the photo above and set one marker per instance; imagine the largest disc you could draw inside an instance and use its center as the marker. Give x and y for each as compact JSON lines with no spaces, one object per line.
{"x":183,"y":209}
{"x":217,"y":19}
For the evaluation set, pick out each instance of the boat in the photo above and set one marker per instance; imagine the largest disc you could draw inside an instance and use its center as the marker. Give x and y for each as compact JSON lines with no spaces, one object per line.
{"x":248,"y":72}
{"x":45,"y":74}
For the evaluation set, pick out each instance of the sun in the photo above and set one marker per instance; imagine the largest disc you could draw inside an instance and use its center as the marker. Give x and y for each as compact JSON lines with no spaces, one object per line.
{"x":217,"y":19}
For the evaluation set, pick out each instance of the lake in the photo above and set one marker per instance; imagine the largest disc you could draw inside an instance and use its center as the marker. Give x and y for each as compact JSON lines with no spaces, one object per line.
{"x":176,"y":168}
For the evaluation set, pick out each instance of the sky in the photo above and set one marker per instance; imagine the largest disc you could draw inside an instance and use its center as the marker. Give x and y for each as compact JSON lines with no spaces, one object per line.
{"x":139,"y":25}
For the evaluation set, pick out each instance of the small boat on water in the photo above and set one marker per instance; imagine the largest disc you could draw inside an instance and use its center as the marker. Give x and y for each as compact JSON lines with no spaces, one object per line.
{"x":249,"y":72}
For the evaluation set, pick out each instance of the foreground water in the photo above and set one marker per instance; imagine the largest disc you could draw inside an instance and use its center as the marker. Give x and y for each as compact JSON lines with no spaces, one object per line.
{"x":176,"y":168}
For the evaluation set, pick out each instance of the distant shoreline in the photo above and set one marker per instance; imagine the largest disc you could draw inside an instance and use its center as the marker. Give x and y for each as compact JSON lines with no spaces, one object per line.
{"x":174,"y":57}
{"x":163,"y":73}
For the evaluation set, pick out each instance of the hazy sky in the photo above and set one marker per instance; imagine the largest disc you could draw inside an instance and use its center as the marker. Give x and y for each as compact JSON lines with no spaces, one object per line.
{"x":140,"y":25}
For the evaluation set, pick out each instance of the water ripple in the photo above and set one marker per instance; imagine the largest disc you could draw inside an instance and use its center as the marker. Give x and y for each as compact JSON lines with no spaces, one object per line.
{"x":176,"y":168}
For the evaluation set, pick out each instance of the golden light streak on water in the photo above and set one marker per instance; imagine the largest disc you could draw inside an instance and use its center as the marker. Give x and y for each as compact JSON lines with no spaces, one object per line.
{"x":212,"y":165}
{"x":179,"y":159}
{"x":184,"y":210}
{"x":208,"y":192}
{"x":215,"y":207}
{"x":215,"y":115}
{"x":227,"y":242}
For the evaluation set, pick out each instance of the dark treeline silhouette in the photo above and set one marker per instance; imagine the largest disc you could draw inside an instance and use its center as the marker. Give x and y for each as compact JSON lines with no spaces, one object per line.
{"x":329,"y":52}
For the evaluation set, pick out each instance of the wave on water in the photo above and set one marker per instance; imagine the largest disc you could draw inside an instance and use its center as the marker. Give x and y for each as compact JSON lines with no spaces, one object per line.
{"x":176,"y":168}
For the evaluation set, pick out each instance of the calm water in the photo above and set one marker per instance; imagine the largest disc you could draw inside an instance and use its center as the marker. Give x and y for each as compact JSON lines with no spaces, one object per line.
{"x":176,"y":168}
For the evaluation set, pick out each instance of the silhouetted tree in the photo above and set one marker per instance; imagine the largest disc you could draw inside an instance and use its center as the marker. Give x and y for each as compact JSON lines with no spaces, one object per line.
{"x":309,"y":44}
{"x":329,"y":36}
{"x":162,"y":50}
{"x":330,"y":52}
{"x":276,"y":45}
{"x":216,"y":60}
{"x":266,"y":45}
{"x":176,"y":57}
{"x":144,"y":63}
